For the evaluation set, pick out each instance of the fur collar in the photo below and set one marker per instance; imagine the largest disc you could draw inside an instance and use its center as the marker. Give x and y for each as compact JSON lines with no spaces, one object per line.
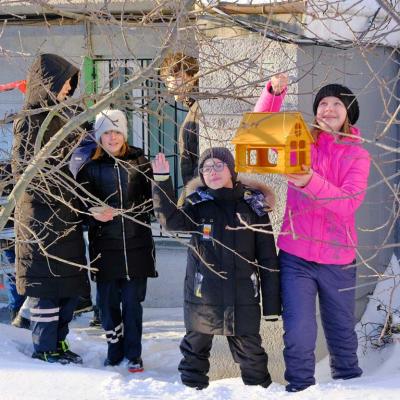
{"x":249,"y":183}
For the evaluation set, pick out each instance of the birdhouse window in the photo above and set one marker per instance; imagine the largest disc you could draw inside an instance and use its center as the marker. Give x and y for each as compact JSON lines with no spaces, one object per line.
{"x":253,"y":157}
{"x":297,"y":152}
{"x":302,"y":152}
{"x":293,"y":153}
{"x":262,"y":157}
{"x":297,"y":129}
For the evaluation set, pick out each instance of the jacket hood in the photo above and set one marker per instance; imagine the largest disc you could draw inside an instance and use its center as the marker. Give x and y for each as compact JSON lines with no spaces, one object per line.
{"x":248,"y":183}
{"x":46,"y":77}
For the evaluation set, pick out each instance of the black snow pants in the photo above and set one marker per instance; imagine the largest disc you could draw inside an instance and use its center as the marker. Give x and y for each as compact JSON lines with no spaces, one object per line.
{"x":246,"y":351}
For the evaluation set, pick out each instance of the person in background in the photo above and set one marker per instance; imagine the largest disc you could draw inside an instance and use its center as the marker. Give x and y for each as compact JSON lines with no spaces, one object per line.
{"x":15,"y":300}
{"x":178,"y":72}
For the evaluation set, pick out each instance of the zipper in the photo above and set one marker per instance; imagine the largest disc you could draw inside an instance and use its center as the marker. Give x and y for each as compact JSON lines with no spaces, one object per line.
{"x":122,"y":218}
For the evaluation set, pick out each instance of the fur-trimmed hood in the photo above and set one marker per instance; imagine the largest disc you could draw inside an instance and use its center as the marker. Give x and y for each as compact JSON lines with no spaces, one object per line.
{"x":248,"y":183}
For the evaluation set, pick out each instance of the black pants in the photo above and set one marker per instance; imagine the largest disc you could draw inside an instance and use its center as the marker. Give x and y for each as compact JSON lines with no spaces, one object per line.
{"x":123,"y":327}
{"x":246,"y":351}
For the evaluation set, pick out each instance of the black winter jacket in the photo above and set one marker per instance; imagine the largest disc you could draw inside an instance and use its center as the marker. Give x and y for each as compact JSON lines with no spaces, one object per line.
{"x":228,"y":304}
{"x":125,"y":244}
{"x":46,"y":217}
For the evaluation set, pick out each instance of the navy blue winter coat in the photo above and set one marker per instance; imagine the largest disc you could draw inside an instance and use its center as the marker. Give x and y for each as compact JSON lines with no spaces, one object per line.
{"x":125,"y":244}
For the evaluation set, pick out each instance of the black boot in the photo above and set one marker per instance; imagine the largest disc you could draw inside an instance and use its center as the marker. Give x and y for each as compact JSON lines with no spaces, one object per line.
{"x":50,"y":357}
{"x":96,"y":321}
{"x":111,"y":363}
{"x":66,"y":353}
{"x":84,"y":305}
{"x":135,"y":365}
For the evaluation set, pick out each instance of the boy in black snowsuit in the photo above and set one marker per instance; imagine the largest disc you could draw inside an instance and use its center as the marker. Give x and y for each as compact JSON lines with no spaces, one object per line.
{"x":225,"y":267}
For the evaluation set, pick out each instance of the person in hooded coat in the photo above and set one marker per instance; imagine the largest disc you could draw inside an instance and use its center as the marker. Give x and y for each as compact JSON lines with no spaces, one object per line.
{"x":226,"y":268}
{"x":49,"y":247}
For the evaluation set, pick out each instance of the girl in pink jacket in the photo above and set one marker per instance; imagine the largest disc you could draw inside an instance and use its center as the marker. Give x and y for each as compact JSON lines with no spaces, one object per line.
{"x":318,"y":239}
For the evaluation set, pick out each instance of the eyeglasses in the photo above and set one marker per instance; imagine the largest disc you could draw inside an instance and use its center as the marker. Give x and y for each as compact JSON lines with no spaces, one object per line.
{"x":217,"y":167}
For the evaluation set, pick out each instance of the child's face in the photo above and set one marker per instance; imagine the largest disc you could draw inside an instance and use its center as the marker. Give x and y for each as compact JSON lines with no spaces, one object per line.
{"x":64,"y":90}
{"x":180,"y":84}
{"x":112,"y":142}
{"x":216,"y":174}
{"x":331,"y":114}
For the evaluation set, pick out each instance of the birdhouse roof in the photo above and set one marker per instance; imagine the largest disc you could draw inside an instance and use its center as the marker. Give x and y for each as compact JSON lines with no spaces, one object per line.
{"x":259,"y":128}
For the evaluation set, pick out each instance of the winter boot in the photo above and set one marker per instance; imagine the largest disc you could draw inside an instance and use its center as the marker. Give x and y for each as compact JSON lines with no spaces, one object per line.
{"x":66,"y":353}
{"x":96,"y":317}
{"x":135,"y":365}
{"x":50,"y":357}
{"x":84,"y":305}
{"x":110,"y":363}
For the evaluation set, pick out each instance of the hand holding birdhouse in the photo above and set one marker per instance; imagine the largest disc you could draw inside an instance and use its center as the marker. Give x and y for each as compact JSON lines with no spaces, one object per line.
{"x":301,"y":179}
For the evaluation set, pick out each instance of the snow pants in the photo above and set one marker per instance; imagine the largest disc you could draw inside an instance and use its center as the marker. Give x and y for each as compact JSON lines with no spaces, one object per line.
{"x":50,"y":319}
{"x":246,"y":351}
{"x":123,"y":327}
{"x":301,"y":281}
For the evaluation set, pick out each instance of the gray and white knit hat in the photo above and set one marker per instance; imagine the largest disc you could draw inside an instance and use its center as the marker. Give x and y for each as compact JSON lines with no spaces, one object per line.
{"x":111,"y":120}
{"x":223,"y":154}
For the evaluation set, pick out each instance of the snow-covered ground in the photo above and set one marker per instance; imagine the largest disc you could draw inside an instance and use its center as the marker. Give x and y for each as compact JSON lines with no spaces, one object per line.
{"x":23,"y":378}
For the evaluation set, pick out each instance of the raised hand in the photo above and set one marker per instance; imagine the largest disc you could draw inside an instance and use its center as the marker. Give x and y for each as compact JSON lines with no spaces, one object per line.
{"x":279,"y":82}
{"x":160,"y":164}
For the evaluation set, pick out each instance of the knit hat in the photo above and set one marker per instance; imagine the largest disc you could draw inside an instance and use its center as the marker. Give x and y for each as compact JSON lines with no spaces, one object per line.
{"x":223,"y":154}
{"x":111,"y":120}
{"x":345,"y":95}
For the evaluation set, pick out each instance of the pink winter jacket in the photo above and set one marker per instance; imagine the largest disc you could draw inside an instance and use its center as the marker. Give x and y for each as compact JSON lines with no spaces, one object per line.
{"x":319,"y":221}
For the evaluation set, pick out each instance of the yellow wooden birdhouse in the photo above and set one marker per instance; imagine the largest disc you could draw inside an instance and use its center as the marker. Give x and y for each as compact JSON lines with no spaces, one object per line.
{"x":277,"y":142}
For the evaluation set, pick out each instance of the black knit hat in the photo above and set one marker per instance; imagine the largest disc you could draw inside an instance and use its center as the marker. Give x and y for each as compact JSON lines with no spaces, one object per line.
{"x":223,"y":154}
{"x":345,"y":95}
